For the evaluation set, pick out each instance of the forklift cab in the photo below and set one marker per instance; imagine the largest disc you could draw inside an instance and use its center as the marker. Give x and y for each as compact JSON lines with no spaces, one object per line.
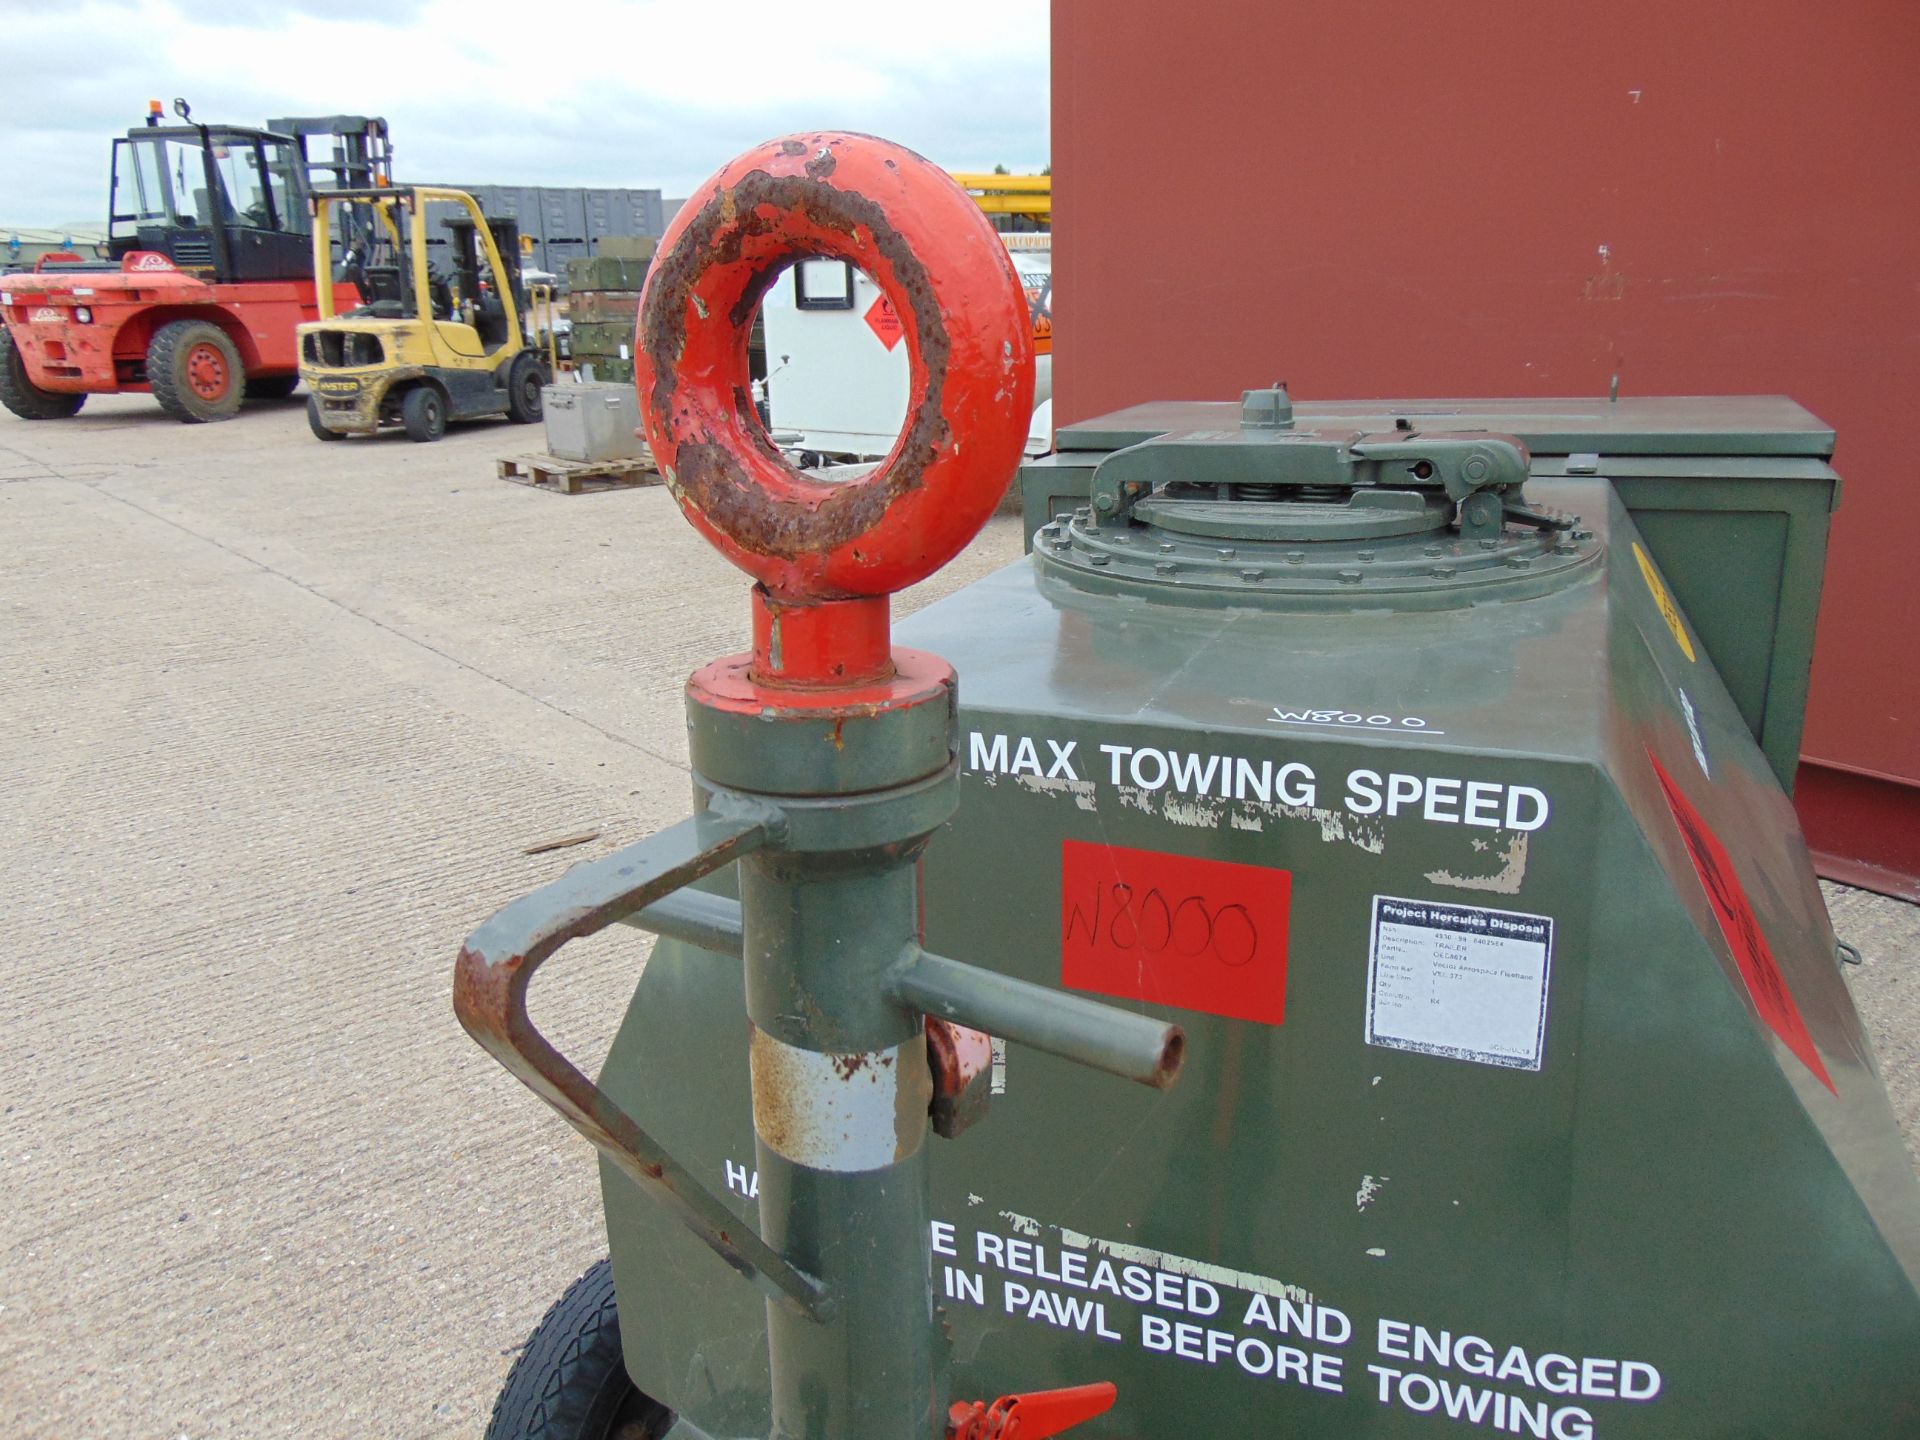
{"x":473,"y":295}
{"x":480,"y":289}
{"x":371,"y":233}
{"x":220,"y":201}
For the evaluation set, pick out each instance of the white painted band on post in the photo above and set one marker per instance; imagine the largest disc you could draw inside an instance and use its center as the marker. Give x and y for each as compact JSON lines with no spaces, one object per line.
{"x":841,"y":1112}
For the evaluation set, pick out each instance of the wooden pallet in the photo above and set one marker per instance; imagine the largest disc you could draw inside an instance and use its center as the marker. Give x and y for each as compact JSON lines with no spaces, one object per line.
{"x":578,"y":477}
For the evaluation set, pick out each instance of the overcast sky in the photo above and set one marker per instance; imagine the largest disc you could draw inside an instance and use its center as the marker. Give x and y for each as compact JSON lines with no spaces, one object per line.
{"x":566,"y":92}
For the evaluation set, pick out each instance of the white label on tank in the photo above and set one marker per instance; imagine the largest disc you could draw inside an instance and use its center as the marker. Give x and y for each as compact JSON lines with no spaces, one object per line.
{"x":1459,"y":981}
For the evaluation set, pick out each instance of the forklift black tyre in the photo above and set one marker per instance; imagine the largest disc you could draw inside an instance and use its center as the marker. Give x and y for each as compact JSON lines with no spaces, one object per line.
{"x":271,"y":387}
{"x":195,"y":372}
{"x":320,"y":431}
{"x":569,"y":1382}
{"x":424,"y":413}
{"x":22,"y":396}
{"x":524,"y":383}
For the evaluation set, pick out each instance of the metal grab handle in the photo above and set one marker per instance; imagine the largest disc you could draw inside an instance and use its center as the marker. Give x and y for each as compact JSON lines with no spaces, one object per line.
{"x":642,"y":886}
{"x":1088,"y":1032}
{"x":490,"y":996}
{"x":1101,"y":1037}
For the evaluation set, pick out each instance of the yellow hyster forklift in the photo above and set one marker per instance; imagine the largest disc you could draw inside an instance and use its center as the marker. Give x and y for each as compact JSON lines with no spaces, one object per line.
{"x":426,"y":344}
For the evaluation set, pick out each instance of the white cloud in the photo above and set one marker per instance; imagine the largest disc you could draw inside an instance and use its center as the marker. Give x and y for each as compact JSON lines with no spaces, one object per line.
{"x":577,"y":92}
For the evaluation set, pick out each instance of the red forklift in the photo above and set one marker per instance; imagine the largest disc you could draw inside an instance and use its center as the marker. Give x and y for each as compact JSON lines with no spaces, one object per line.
{"x":209,"y":268}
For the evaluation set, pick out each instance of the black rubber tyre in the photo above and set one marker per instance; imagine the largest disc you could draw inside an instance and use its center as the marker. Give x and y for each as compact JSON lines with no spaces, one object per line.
{"x":570,"y":1382}
{"x":195,"y":372}
{"x":271,"y":387}
{"x":424,"y":413}
{"x":22,"y":396}
{"x":524,"y":382}
{"x":320,"y":432}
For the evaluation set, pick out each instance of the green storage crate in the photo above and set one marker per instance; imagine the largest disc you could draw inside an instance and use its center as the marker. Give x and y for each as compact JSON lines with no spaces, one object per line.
{"x":607,"y":368}
{"x":588,"y":307}
{"x":626,"y":247}
{"x":603,"y":337}
{"x":606,"y":272}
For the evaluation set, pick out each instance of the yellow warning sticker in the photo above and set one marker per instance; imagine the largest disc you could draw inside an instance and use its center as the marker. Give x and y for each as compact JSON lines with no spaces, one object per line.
{"x":1669,"y":611}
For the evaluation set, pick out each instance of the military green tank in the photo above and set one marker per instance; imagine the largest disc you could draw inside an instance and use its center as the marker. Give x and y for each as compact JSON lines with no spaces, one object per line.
{"x":1409,"y":780}
{"x":1425,"y":762}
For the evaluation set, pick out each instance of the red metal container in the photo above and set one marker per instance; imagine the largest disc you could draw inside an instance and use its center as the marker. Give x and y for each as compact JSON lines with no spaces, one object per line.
{"x":1530,"y":199}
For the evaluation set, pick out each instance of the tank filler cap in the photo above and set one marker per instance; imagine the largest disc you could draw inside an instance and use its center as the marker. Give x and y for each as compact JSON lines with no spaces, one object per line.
{"x":1316,"y":519}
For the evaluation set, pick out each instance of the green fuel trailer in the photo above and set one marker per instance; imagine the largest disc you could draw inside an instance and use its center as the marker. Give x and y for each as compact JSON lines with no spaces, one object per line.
{"x":1406,"y":780}
{"x":1524,"y":1093}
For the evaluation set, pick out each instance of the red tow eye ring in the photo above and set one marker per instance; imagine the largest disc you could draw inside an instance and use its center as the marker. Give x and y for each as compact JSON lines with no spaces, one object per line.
{"x":810,"y":543}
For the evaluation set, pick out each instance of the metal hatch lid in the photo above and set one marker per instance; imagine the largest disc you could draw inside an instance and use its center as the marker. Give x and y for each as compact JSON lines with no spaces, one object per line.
{"x":1636,"y":425}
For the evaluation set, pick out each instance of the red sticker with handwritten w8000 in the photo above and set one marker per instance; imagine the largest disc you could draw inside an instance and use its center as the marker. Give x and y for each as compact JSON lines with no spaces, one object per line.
{"x":1175,"y":930}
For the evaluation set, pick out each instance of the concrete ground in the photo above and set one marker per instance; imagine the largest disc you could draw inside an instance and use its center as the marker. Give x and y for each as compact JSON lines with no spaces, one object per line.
{"x":278,"y":724}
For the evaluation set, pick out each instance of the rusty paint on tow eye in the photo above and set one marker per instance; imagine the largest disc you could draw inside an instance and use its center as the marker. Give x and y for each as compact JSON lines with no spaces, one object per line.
{"x":938,"y":261}
{"x":708,"y":472}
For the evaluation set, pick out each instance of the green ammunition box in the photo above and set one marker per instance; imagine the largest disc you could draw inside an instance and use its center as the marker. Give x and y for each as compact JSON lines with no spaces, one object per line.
{"x":589,"y":306}
{"x":605,"y":272}
{"x":604,"y":337}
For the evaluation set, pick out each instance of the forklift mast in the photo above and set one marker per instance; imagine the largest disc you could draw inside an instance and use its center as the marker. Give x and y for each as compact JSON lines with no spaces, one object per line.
{"x":360,"y":157}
